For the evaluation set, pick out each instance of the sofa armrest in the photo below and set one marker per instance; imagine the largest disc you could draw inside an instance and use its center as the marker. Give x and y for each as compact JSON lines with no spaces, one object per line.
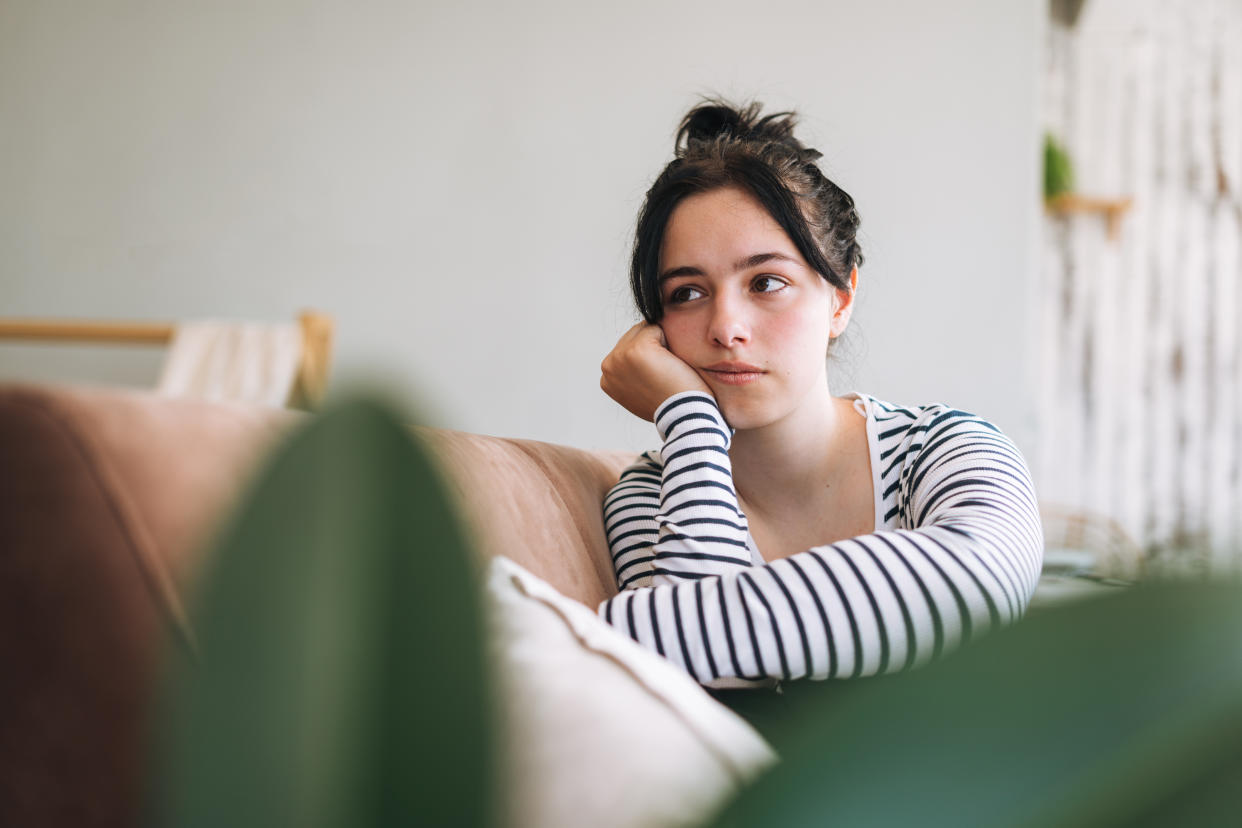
{"x":103,"y":509}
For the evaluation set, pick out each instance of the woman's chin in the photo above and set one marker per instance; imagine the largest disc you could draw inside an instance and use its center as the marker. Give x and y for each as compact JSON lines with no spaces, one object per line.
{"x":742,"y":415}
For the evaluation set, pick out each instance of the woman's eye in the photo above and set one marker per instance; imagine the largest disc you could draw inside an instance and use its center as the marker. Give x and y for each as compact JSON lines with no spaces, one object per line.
{"x":684,"y":294}
{"x":767,"y":284}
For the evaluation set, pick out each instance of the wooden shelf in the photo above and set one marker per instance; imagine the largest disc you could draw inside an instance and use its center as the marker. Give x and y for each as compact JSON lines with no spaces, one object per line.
{"x":1111,"y":208}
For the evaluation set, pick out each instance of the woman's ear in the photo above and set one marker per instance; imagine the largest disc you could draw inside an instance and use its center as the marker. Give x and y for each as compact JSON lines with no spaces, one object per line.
{"x":844,"y":306}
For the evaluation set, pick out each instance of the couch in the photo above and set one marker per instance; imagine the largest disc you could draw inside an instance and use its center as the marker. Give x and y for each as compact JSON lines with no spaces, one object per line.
{"x":109,"y":500}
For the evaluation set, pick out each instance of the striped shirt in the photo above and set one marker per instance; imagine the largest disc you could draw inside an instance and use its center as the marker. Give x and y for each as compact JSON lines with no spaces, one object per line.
{"x":956,"y":551}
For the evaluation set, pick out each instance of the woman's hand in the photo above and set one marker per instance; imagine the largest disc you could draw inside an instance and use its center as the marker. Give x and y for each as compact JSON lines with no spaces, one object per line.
{"x":641,"y":372}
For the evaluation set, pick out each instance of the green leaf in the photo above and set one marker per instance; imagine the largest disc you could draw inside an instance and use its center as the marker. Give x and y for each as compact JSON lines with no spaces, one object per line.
{"x":1100,"y":712}
{"x":342,"y":679}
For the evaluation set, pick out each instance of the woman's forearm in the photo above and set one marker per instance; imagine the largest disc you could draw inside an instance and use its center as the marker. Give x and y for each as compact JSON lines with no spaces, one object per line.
{"x":677,"y":518}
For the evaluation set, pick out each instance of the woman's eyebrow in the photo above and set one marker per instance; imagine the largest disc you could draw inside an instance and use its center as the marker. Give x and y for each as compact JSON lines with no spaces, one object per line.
{"x":741,"y":264}
{"x":761,"y":258}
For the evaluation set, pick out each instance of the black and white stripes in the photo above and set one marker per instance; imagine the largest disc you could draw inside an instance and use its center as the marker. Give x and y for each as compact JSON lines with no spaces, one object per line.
{"x":676,"y":516}
{"x":958,"y":552}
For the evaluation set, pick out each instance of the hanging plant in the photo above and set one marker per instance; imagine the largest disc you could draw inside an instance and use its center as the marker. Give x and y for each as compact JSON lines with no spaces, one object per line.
{"x":1058,"y":169}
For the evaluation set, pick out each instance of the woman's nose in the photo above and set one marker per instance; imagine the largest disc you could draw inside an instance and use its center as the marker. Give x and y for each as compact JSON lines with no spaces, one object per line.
{"x":729,"y":325}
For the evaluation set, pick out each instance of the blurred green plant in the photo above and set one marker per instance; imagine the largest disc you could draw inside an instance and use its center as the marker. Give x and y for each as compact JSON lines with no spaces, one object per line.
{"x":1121,"y":710}
{"x":1058,"y":169}
{"x":342,"y":680}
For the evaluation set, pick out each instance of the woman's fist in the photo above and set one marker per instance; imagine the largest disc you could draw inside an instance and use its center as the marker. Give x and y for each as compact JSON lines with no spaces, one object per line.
{"x":641,"y":372}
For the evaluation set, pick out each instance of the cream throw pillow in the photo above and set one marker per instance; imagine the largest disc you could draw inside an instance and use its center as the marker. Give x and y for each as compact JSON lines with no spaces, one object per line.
{"x":602,"y":732}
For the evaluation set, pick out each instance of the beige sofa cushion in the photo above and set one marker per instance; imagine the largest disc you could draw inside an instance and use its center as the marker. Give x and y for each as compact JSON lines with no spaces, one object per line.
{"x":602,"y":732}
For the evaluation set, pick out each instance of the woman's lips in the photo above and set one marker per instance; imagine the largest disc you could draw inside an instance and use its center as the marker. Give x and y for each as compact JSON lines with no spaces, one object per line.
{"x":734,"y":373}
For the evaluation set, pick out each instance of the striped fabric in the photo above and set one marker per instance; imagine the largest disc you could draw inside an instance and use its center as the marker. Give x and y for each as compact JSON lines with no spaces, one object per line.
{"x":957,"y":551}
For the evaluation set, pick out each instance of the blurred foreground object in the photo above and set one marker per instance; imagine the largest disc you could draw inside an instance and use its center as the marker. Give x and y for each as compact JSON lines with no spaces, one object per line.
{"x":1121,"y":710}
{"x":341,"y":678}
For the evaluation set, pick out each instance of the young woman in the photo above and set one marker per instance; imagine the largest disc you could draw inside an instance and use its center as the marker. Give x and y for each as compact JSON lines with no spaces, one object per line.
{"x":781,"y":532}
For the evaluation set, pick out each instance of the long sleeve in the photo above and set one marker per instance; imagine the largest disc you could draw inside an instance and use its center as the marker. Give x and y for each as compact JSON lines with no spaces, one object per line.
{"x":965,"y":558}
{"x":675,"y":516}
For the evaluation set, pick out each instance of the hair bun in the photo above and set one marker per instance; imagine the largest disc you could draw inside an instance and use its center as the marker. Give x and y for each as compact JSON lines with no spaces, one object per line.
{"x":717,"y":119}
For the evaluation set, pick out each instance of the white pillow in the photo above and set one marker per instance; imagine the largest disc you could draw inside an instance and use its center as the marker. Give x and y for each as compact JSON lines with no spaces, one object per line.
{"x":601,"y":731}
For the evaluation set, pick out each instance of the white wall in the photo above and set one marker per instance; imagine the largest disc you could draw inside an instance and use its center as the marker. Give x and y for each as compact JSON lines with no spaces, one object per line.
{"x":456,"y":182}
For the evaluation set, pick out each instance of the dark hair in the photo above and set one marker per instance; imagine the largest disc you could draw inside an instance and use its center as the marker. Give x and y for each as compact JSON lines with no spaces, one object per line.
{"x":720,"y":145}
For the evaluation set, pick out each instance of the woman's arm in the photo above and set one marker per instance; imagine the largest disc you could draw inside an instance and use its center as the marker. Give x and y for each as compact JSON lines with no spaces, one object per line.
{"x":655,"y":534}
{"x":876,"y":603}
{"x":675,"y":516}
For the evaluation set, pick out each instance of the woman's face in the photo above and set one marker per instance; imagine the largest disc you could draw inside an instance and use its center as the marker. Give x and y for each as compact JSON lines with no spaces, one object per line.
{"x":743,"y":308}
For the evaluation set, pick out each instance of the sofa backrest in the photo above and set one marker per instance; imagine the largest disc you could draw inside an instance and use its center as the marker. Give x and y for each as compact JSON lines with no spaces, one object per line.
{"x":537,"y":503}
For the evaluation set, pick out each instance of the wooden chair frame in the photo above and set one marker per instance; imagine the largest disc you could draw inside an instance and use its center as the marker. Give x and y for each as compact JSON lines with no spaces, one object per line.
{"x":318,"y":331}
